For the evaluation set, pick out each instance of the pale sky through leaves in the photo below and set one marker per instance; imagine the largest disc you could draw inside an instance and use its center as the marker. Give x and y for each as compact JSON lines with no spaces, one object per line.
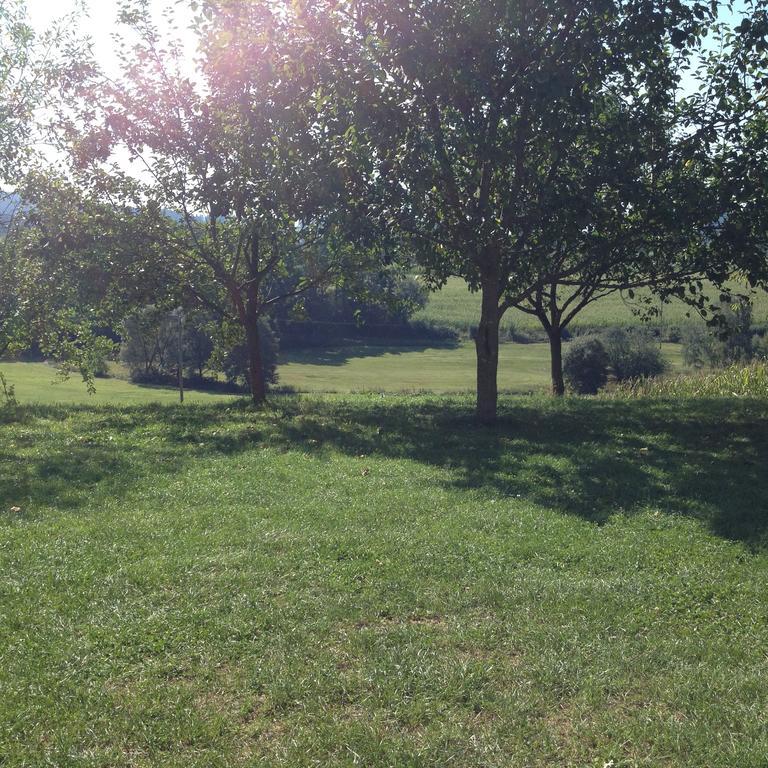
{"x":99,"y":22}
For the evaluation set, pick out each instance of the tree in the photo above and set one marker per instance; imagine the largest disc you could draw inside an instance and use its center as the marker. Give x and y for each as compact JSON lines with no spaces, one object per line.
{"x":22,"y":76}
{"x":87,"y":256}
{"x":231,"y":357}
{"x":466,"y":120}
{"x":736,"y":82}
{"x":636,"y":213}
{"x":232,"y":154}
{"x":150,"y":343}
{"x":33,"y":67}
{"x":198,"y":343}
{"x":371,"y":303}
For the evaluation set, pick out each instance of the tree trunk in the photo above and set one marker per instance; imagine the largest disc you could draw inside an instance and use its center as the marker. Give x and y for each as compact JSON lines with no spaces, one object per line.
{"x":255,"y":366}
{"x":556,"y":360}
{"x":487,"y":346}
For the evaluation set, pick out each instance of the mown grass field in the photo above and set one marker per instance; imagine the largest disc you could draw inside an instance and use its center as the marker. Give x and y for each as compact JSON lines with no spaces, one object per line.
{"x":454,"y":306}
{"x":40,"y":383}
{"x":523,"y":368}
{"x":370,"y":580}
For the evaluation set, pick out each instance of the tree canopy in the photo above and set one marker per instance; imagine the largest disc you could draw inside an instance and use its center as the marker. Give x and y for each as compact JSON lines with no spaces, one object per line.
{"x":493,"y":134}
{"x":231,"y":154}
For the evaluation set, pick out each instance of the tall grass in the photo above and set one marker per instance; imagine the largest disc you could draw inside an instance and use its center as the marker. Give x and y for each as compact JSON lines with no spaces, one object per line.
{"x":737,"y":380}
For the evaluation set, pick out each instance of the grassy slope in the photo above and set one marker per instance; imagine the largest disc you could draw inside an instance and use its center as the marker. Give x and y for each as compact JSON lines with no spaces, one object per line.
{"x":456,"y":307}
{"x":39,"y":383}
{"x":523,"y":368}
{"x":371,"y":581}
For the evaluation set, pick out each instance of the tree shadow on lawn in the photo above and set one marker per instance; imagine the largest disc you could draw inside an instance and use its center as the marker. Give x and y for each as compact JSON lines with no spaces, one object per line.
{"x":706,"y":459}
{"x":342,"y":354}
{"x":591,"y":458}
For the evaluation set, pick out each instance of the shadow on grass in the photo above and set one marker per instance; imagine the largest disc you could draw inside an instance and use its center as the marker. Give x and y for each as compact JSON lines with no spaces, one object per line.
{"x":339,"y":355}
{"x":706,"y":459}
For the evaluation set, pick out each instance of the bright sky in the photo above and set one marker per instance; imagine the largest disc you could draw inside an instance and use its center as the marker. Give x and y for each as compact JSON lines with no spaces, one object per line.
{"x":99,"y":22}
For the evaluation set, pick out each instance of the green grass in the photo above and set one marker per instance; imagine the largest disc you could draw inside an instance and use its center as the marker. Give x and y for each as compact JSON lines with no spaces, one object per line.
{"x":523,"y":368}
{"x":40,"y":383}
{"x":737,"y":380}
{"x":454,"y":306}
{"x":372,"y":581}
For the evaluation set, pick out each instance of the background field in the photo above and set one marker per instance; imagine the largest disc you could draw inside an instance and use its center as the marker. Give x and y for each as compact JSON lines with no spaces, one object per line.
{"x":456,"y":307}
{"x":40,"y":383}
{"x":373,"y":581}
{"x":523,"y":368}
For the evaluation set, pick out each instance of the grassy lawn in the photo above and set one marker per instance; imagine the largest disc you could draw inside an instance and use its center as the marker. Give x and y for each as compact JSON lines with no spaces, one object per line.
{"x":456,"y":307}
{"x":369,"y":580}
{"x":523,"y":368}
{"x":39,"y":383}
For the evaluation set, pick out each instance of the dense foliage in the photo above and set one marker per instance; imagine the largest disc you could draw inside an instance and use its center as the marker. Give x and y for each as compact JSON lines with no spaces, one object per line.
{"x":632,"y":354}
{"x":585,"y":365}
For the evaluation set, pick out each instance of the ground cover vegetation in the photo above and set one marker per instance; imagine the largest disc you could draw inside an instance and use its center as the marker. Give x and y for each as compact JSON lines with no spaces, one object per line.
{"x":369,"y":580}
{"x":377,"y":579}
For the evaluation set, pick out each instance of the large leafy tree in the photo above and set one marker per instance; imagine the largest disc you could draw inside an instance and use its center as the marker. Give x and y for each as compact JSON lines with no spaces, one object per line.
{"x":229,"y":148}
{"x":18,"y":98}
{"x":469,"y":121}
{"x":33,"y":66}
{"x":83,"y":255}
{"x":734,"y":82}
{"x":637,"y":208}
{"x":664,"y":193}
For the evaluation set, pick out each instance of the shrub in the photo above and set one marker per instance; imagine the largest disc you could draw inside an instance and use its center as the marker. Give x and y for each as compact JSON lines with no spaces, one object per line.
{"x":760,"y":346}
{"x":585,"y":365}
{"x":8,"y":392}
{"x":633,"y":354}
{"x":700,"y":347}
{"x":728,"y":339}
{"x":150,"y":340}
{"x":198,"y":344}
{"x":369,"y":306}
{"x":233,"y":362}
